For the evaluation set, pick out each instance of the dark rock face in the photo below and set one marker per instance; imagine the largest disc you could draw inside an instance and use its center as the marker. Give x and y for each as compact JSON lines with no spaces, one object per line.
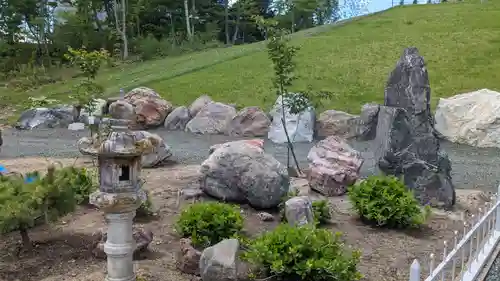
{"x":42,"y":118}
{"x":368,"y":118}
{"x":408,"y":146}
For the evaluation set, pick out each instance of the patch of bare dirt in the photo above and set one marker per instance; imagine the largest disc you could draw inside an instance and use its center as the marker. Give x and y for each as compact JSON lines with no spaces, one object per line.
{"x":63,"y":250}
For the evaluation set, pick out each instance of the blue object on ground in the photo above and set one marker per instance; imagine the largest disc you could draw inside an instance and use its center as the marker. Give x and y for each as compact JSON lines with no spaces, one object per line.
{"x":3,"y":170}
{"x":29,"y":179}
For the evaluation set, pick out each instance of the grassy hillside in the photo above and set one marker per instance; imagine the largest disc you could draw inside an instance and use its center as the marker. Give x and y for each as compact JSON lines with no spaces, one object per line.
{"x":460,"y":42}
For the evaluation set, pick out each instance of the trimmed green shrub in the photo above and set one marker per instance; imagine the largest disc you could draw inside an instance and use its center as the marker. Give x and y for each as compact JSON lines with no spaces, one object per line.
{"x":385,"y":201}
{"x":208,"y":223}
{"x":303,"y":253}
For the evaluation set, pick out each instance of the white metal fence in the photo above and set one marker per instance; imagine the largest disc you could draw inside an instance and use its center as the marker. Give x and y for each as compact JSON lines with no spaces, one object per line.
{"x":465,"y":260}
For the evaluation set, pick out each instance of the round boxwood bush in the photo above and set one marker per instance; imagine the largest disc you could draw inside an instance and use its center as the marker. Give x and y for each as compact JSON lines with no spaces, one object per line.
{"x":291,"y":253}
{"x":385,"y":201}
{"x":208,"y":223}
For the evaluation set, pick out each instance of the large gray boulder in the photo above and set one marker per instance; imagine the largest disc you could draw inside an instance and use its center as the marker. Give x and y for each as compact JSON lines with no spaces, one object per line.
{"x":470,"y":118}
{"x":198,"y":104}
{"x":249,"y":122}
{"x":177,"y":119}
{"x":408,"y":146}
{"x":242,"y":172}
{"x":43,"y":118}
{"x":213,"y":118}
{"x":337,"y":123}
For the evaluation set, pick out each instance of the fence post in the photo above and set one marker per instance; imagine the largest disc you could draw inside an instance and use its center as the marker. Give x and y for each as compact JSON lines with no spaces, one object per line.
{"x":497,"y":215}
{"x":415,"y":271}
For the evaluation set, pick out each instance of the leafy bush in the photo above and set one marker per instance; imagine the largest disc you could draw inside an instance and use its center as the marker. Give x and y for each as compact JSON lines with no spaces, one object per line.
{"x":321,"y":211}
{"x":88,"y":62}
{"x":26,"y":204}
{"x":385,"y":201}
{"x":303,"y":253}
{"x":208,"y":223}
{"x":79,"y":179}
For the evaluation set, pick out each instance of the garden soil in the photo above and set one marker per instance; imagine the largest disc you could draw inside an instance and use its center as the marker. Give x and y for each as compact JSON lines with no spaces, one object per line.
{"x":63,"y":250}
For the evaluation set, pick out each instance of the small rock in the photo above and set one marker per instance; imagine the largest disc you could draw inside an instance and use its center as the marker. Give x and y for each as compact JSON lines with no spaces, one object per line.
{"x":263,"y":216}
{"x":190,"y":193}
{"x":76,"y":126}
{"x":219,"y":262}
{"x":188,"y":258}
{"x":298,"y":211}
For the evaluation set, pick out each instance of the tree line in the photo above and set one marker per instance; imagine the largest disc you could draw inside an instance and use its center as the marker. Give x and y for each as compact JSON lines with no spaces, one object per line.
{"x":41,"y":31}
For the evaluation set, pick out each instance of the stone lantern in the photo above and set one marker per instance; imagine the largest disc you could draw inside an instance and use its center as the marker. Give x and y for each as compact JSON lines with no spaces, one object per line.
{"x":119,"y":196}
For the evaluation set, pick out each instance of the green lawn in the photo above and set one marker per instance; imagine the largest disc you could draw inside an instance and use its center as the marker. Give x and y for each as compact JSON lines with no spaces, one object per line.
{"x":460,"y":42}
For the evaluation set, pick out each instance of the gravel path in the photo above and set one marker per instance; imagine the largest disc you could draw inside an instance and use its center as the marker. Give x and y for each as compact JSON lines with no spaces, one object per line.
{"x":494,"y":272}
{"x":472,"y":167}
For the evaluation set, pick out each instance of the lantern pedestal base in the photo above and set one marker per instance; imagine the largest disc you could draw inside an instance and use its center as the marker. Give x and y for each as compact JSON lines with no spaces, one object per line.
{"x":120,"y":246}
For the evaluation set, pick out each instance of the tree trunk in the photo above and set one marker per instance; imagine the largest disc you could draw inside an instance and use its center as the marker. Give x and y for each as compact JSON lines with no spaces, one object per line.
{"x":226,"y":20}
{"x":124,"y":29}
{"x":188,"y":24}
{"x":25,"y":238}
{"x":193,"y":16}
{"x":237,"y":25}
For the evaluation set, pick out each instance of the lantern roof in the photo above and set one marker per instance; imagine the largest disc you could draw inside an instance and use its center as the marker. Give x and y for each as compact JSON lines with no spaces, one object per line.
{"x":120,"y":141}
